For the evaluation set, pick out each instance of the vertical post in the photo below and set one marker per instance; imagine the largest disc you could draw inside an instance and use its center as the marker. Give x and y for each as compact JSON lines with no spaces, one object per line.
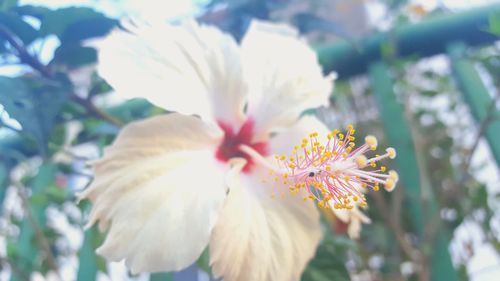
{"x":399,"y":136}
{"x":87,"y":269}
{"x":475,"y":95}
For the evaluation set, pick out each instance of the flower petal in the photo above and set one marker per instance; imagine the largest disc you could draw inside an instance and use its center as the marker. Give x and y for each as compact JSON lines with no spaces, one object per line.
{"x":283,"y":75}
{"x":283,"y":142}
{"x":191,"y":69}
{"x":354,"y":218}
{"x":159,"y":189}
{"x":259,"y":238}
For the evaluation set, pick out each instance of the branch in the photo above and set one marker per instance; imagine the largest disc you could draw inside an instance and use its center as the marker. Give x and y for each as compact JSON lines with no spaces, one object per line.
{"x":40,"y":238}
{"x":394,"y":224}
{"x":22,"y":53}
{"x":32,"y":61}
{"x":490,"y":116}
{"x":91,"y":108}
{"x":15,"y":269}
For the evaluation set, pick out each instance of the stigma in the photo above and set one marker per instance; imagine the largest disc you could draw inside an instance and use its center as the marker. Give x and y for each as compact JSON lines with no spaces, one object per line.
{"x":334,"y":171}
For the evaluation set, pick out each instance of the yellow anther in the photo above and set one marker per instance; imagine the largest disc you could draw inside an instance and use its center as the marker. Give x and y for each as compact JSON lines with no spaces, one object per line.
{"x":276,"y":179}
{"x":361,"y":161}
{"x":371,"y":141}
{"x":335,"y":132}
{"x":295,"y":147}
{"x":282,"y":157}
{"x":347,"y":178}
{"x":292,"y":158}
{"x":291,"y":166}
{"x":329,"y":136}
{"x":341,"y":136}
{"x":391,"y":152}
{"x":348,"y":150}
{"x":373,"y":164}
{"x":394,"y":176}
{"x":376,"y":188}
{"x":350,"y":126}
{"x":351,"y":138}
{"x":389,"y":184}
{"x":285,"y":175}
{"x":382,"y":169}
{"x":355,"y":199}
{"x":328,"y":168}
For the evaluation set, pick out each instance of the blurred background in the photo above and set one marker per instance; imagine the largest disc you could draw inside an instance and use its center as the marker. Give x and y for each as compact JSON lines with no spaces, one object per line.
{"x":423,"y":76}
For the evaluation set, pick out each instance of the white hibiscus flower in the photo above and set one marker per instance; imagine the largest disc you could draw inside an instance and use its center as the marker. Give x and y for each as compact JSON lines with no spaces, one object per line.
{"x":171,"y":185}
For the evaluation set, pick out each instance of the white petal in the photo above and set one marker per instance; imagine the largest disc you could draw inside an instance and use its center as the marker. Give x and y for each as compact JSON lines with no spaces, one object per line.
{"x":159,"y":188}
{"x":259,"y":238}
{"x":283,"y":142}
{"x":283,"y":75}
{"x":354,"y":218}
{"x":190,"y":69}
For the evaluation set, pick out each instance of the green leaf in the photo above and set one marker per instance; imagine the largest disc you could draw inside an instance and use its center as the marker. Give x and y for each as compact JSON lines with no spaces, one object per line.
{"x":87,"y":28}
{"x":4,"y":176}
{"x":16,"y":25}
{"x":26,"y":247}
{"x":494,"y":23}
{"x":73,"y":55}
{"x":88,"y":267}
{"x":34,"y":105}
{"x":38,"y":12}
{"x":328,"y":264}
{"x":58,"y":21}
{"x":7,"y":4}
{"x":162,"y":276}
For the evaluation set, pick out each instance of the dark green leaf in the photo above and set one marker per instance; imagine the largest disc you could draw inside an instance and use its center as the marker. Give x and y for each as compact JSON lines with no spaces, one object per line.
{"x":7,"y":4}
{"x":87,"y":28}
{"x":328,"y":264}
{"x":73,"y":55}
{"x":88,"y":259}
{"x":16,"y":25}
{"x":494,"y":23}
{"x":27,"y":249}
{"x":34,"y":105}
{"x":4,"y":176}
{"x":38,"y":12}
{"x":163,"y":276}
{"x":56,"y":22}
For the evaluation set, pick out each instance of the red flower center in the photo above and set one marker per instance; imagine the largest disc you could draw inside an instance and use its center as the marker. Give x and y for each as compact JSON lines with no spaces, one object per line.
{"x":229,"y":147}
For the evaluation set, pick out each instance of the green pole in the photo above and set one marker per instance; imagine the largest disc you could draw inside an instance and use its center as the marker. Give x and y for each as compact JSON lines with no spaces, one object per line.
{"x":399,"y":136}
{"x":476,"y":95}
{"x":424,"y":39}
